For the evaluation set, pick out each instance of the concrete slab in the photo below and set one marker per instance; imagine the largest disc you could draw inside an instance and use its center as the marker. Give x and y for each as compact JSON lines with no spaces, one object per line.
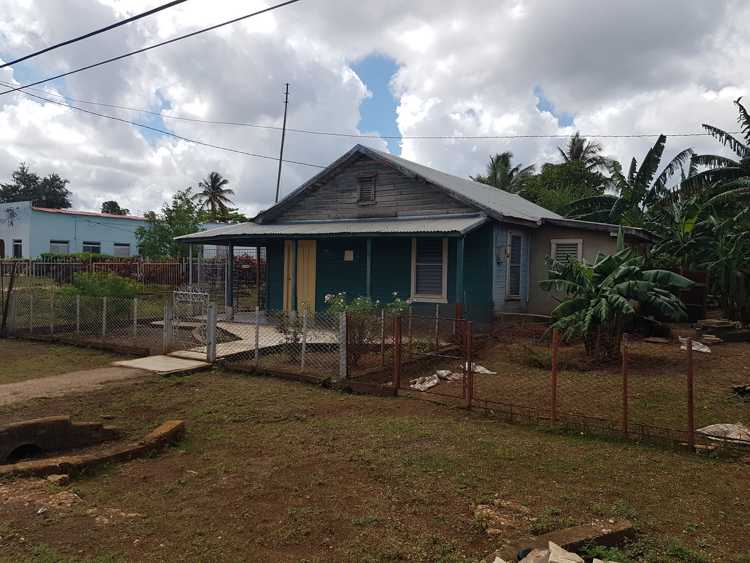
{"x":164,"y":365}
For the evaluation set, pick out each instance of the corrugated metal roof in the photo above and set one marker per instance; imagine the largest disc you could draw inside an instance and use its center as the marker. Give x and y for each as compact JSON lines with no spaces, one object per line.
{"x":88,"y":213}
{"x":443,"y":224}
{"x":501,"y":202}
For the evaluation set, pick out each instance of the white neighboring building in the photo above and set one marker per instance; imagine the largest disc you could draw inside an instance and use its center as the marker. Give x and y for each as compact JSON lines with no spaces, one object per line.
{"x":27,"y":231}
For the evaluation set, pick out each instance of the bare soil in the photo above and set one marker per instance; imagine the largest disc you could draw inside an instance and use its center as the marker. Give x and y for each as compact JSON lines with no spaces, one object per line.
{"x":281,"y":471}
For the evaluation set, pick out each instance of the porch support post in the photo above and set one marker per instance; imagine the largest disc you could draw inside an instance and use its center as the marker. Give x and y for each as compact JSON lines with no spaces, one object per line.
{"x":460,"y":270}
{"x":368,"y":283}
{"x":229,"y":282}
{"x":293,"y":292}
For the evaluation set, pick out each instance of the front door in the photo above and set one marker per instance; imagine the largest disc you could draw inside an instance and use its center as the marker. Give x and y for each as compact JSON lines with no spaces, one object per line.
{"x":305,"y":275}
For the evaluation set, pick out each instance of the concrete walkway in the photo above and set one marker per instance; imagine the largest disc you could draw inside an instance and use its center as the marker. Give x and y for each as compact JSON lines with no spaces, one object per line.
{"x":268,"y":337}
{"x":73,"y":382}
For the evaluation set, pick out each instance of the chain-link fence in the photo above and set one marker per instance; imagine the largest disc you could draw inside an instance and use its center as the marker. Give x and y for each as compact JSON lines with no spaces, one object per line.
{"x":285,"y":343}
{"x":125,"y":324}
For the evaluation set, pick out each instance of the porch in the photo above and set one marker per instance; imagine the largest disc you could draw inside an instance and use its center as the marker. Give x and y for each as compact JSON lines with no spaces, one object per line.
{"x":443,"y":261}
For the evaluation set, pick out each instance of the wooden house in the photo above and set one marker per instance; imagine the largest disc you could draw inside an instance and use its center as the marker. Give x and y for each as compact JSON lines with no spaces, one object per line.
{"x":374,"y":224}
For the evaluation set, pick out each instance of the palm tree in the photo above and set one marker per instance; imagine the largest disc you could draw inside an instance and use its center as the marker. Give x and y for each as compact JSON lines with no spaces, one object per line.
{"x":586,"y":152}
{"x":503,"y":175}
{"x":214,"y":195}
{"x":636,"y":192}
{"x":726,"y":178}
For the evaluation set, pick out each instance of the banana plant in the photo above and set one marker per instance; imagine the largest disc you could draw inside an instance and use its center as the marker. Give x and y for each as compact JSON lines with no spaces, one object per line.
{"x":601,"y":298}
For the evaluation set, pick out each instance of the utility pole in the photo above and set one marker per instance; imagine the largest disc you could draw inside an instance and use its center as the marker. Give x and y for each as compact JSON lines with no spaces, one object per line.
{"x":283,"y":135}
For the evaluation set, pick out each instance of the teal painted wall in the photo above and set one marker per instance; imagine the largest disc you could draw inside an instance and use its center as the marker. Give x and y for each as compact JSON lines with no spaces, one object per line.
{"x":275,"y":276}
{"x":478,"y":267}
{"x":334,"y":274}
{"x":391,"y":271}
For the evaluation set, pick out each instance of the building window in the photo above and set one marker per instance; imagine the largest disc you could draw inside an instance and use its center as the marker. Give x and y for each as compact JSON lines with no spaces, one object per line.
{"x":92,"y":247}
{"x":567,"y":249}
{"x":366,"y":189}
{"x":429,"y":270}
{"x":515,"y":252}
{"x":59,"y":247}
{"x":17,"y":248}
{"x":121,"y":250}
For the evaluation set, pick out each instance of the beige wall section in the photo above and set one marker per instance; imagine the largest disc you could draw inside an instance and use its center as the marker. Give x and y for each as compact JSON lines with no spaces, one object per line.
{"x":395,"y":194}
{"x":594,"y":242}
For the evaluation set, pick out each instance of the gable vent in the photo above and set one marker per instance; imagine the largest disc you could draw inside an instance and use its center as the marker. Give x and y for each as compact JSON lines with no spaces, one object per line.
{"x":366,"y":189}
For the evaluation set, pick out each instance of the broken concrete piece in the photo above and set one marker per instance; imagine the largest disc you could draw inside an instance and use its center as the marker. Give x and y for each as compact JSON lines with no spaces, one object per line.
{"x":424,"y":383}
{"x":606,"y":534}
{"x":60,"y":479}
{"x":733,"y":433}
{"x":697,"y":346}
{"x":559,"y":555}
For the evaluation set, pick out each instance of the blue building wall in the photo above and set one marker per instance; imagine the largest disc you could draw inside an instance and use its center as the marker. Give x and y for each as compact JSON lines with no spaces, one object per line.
{"x":500,"y":280}
{"x":77,"y":229}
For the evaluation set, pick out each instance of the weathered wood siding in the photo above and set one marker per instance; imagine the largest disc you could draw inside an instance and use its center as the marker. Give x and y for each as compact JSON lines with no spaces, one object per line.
{"x":396,"y":195}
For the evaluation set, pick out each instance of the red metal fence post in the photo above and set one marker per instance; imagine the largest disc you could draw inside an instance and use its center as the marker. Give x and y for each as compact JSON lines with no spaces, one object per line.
{"x":396,"y":354}
{"x":690,"y":397}
{"x":625,"y":384}
{"x":555,"y":349}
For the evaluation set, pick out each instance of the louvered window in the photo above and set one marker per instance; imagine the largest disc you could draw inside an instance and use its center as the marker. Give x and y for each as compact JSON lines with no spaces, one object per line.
{"x":567,"y":249}
{"x":515,"y":250}
{"x":429,"y":269}
{"x":366,"y":189}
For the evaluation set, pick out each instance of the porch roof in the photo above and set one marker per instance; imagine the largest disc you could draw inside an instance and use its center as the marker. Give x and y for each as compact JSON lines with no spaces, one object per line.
{"x":446,"y":225}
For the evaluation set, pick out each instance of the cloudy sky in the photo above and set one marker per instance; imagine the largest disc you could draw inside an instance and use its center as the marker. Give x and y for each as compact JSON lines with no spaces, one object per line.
{"x":423,"y":67}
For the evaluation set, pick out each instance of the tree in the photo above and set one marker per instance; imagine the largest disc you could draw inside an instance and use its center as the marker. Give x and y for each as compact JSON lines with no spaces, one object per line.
{"x":179,"y":217}
{"x":600,"y":298}
{"x":558,"y":185}
{"x":636,"y":192}
{"x":50,"y":191}
{"x":503,"y":175}
{"x":214,"y":196}
{"x":113,"y":208}
{"x":586,"y":152}
{"x":723,"y":169}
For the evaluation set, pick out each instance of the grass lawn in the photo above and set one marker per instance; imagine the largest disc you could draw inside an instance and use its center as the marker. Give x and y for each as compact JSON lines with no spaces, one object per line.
{"x":282,"y":471}
{"x":21,"y":360}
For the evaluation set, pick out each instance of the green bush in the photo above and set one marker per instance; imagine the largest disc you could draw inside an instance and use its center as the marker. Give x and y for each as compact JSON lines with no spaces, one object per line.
{"x":103,"y":284}
{"x":81,"y":257}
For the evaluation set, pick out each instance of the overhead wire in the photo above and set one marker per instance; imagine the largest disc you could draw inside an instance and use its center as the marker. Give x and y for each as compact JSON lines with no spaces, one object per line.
{"x":170,"y":133}
{"x":93,"y":33}
{"x":150,"y":47}
{"x":164,"y":115}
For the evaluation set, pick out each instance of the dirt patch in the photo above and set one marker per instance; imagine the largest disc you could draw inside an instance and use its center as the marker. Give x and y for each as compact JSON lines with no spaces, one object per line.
{"x":22,"y":360}
{"x":274,"y":470}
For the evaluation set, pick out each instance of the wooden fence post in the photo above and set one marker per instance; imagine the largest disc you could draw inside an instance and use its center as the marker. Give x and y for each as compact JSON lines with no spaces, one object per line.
{"x":555,"y":350}
{"x":78,"y":315}
{"x":52,"y":312}
{"x":690,"y":396}
{"x":625,"y":391}
{"x":396,"y":353}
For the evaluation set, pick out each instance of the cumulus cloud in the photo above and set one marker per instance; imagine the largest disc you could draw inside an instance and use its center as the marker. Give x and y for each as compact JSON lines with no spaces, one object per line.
{"x":617,"y":67}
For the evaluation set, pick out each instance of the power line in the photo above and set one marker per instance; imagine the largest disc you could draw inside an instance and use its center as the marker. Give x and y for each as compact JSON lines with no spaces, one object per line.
{"x":169,"y":133}
{"x":96,"y":32}
{"x":154,"y":46}
{"x":163,"y":115}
